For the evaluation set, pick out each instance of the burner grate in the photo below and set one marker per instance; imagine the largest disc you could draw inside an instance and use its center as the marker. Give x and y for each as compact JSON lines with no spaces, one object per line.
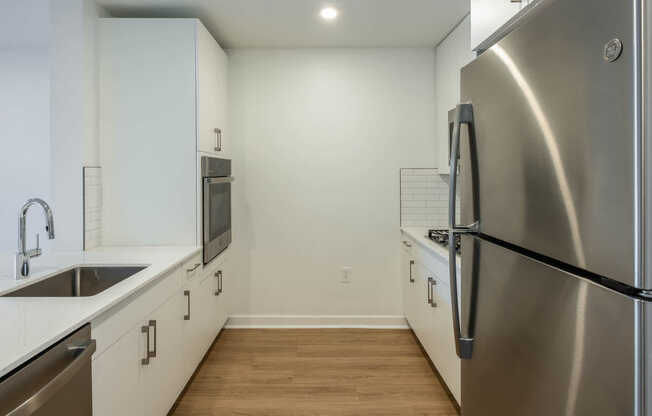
{"x":441,"y":237}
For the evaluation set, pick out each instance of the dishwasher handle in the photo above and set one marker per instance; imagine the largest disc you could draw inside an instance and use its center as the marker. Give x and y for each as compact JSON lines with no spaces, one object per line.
{"x":45,"y":393}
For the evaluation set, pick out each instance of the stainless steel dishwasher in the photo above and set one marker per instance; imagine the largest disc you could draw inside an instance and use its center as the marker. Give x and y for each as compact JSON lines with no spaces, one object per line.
{"x":55,"y":382}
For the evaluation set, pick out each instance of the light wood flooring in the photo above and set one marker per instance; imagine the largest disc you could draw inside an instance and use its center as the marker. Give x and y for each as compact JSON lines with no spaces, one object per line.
{"x":316,"y":372}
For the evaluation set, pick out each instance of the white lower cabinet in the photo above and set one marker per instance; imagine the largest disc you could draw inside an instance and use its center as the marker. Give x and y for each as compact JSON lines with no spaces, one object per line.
{"x":161,"y":377}
{"x":146,"y":368}
{"x":407,"y":280}
{"x":116,"y":378}
{"x":218,"y":302}
{"x":427,"y":307}
{"x":196,"y":327}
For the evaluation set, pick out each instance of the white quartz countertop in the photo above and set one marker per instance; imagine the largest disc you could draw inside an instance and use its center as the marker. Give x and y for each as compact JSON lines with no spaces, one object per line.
{"x":420,"y":235}
{"x":30,"y":325}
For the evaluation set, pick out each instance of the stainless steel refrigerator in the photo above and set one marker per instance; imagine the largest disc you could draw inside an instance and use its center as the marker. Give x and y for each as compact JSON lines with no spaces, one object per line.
{"x":555,"y":143}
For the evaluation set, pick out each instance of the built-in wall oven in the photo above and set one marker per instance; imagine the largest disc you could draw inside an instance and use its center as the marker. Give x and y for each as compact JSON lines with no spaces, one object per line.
{"x":216,"y":206}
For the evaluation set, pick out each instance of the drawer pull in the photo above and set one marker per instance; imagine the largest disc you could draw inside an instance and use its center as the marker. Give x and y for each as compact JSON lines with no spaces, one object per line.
{"x":152,"y":354}
{"x":431,"y":284}
{"x":411,"y":266}
{"x":186,"y":317}
{"x":406,"y":244}
{"x":145,"y":330}
{"x":219,"y":282}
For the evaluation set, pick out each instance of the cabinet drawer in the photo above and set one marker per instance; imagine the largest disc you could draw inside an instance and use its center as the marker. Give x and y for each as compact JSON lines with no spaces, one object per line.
{"x":109,"y":327}
{"x":437,"y":263}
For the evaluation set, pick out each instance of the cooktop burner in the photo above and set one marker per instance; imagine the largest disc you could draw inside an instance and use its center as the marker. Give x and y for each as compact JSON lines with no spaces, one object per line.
{"x":441,"y":237}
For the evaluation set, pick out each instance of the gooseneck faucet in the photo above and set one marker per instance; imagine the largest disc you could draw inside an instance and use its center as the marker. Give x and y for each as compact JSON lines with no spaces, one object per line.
{"x":24,"y":255}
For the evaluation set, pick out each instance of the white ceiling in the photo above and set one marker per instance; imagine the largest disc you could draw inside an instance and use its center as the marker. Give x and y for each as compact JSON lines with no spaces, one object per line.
{"x":296,"y":23}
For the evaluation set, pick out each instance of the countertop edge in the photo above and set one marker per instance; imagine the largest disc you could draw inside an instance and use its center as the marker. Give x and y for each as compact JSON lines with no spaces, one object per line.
{"x":87,"y":318}
{"x":419,"y":235}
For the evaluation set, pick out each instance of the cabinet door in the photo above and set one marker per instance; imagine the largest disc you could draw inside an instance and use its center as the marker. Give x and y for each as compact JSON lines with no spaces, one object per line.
{"x":452,"y":54}
{"x":116,"y":378}
{"x":448,"y":363}
{"x":487,"y":16}
{"x":212,"y":94}
{"x":407,"y":283}
{"x":426,"y":310}
{"x":421,"y":324}
{"x":163,"y":379}
{"x":221,"y":310}
{"x":195,"y":333}
{"x":207,"y":309}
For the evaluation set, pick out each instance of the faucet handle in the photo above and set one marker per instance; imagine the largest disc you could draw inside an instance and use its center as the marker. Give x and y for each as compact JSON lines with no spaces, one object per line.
{"x":35,"y":252}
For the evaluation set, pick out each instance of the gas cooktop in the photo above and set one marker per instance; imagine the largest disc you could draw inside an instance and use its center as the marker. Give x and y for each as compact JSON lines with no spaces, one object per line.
{"x":441,"y":237}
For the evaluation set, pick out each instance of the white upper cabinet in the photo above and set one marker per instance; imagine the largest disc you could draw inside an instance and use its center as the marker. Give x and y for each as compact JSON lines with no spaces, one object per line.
{"x":212,"y":94}
{"x":489,"y":15}
{"x":452,"y":54}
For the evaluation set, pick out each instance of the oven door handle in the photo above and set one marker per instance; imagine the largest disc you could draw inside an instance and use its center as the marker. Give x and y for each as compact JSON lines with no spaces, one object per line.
{"x":225,"y":179}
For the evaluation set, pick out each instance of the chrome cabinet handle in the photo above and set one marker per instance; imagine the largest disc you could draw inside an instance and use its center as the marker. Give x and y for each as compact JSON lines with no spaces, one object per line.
{"x":463,"y":115}
{"x":193,"y":268}
{"x":59,"y":381}
{"x":186,"y":317}
{"x":411,"y":277}
{"x":431,"y":295}
{"x":218,"y":139}
{"x":152,"y":354}
{"x":145,"y":330}
{"x":406,"y":244}
{"x":219,"y":282}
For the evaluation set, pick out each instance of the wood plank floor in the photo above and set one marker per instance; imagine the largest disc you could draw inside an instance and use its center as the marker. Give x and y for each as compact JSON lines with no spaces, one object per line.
{"x":316,"y":372}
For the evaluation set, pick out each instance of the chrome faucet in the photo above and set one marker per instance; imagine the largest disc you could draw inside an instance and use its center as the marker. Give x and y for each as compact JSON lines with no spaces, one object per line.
{"x":24,"y":255}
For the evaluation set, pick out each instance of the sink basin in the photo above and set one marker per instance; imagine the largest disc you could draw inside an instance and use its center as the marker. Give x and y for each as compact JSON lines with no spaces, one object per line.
{"x":80,"y":281}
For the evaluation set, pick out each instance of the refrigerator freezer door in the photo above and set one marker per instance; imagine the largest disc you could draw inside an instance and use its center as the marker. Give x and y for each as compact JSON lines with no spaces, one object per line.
{"x":545,"y":341}
{"x":555,"y":137}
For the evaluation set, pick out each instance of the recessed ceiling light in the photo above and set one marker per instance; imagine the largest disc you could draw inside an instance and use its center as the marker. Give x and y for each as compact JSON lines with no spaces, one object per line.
{"x":328,"y":13}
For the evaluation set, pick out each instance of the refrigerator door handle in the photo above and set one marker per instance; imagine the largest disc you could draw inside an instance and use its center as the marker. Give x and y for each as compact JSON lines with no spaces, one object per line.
{"x":463,"y":115}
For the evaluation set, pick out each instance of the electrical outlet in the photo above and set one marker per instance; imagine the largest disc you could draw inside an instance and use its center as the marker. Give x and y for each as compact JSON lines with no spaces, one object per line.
{"x":347,"y":271}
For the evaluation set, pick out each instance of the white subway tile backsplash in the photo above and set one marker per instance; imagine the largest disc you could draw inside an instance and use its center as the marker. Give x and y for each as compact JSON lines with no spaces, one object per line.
{"x":92,"y":207}
{"x":424,"y":198}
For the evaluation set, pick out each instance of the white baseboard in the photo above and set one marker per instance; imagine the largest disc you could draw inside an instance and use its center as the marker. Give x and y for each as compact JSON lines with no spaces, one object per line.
{"x":317,"y":321}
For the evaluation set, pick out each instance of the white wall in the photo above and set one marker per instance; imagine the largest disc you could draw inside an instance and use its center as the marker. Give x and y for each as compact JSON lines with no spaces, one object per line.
{"x":74,"y":103}
{"x":48,"y":125}
{"x":25,"y":116}
{"x":319,"y":138}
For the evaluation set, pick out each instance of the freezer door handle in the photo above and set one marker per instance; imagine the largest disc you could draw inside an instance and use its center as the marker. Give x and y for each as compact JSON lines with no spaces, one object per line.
{"x":463,"y":115}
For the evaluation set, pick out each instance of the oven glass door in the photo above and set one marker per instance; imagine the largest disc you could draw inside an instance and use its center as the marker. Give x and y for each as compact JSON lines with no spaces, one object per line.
{"x":216,"y":217}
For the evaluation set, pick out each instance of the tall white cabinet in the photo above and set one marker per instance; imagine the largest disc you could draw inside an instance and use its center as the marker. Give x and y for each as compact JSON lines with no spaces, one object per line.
{"x":212,"y":95}
{"x":453,"y":53}
{"x":163,"y":98}
{"x":487,"y":16}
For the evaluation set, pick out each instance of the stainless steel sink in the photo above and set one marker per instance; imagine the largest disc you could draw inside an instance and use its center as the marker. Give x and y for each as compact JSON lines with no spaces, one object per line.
{"x":80,"y":281}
